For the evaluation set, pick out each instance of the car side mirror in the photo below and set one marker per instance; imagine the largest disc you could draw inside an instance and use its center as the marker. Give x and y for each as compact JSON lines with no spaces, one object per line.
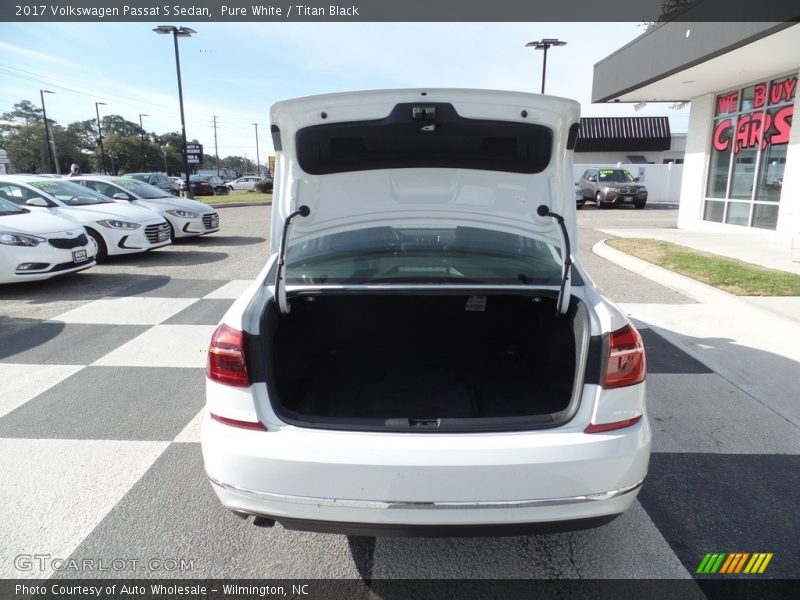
{"x":592,"y":179}
{"x":41,"y":202}
{"x":121,"y":196}
{"x":636,"y":179}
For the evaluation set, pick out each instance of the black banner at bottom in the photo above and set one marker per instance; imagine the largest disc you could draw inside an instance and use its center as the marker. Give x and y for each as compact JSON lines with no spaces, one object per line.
{"x":396,"y":589}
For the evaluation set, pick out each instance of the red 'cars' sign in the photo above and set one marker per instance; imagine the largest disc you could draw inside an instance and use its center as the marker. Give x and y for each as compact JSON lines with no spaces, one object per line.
{"x":757,"y":128}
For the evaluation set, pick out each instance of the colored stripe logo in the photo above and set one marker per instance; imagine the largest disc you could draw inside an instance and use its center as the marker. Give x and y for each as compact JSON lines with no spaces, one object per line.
{"x":728,"y":563}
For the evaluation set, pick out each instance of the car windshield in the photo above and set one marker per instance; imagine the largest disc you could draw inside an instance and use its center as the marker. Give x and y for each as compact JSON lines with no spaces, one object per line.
{"x":454,"y":255}
{"x":9,"y":208}
{"x":143,"y":190}
{"x":618,"y":175}
{"x":69,"y":193}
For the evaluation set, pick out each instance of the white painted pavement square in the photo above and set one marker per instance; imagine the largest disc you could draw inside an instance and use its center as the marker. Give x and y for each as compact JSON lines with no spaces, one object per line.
{"x":191,"y":433}
{"x":231,"y":290}
{"x":126,"y":311}
{"x":20,"y":383}
{"x":55,"y":492}
{"x":163,"y":346}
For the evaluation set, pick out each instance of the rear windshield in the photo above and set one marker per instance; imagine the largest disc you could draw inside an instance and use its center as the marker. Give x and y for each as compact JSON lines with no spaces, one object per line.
{"x":454,"y":255}
{"x":438,"y":138}
{"x":70,"y":193}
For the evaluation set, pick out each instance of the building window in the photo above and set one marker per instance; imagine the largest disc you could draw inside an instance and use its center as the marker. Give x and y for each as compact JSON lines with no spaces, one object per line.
{"x":748,"y":153}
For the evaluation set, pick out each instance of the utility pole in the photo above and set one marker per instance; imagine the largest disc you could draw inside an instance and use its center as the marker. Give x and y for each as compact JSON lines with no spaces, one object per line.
{"x":258,"y":158}
{"x":216,"y":150}
{"x":141,"y":127}
{"x":50,"y":152}
{"x":100,"y":134}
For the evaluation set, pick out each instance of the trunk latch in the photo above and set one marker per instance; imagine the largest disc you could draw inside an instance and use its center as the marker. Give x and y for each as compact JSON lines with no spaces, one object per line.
{"x":424,"y":423}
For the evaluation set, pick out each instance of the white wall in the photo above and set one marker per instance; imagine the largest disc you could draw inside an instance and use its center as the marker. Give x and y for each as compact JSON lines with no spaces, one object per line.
{"x":789,"y":211}
{"x":698,"y":142}
{"x":663,"y":182}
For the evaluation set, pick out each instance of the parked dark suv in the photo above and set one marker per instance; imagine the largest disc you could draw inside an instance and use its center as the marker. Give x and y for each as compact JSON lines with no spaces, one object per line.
{"x":157,"y":179}
{"x":608,"y":187}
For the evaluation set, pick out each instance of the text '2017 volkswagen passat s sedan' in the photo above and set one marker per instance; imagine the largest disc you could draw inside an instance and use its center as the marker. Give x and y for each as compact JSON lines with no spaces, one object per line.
{"x":35,"y":246}
{"x":422,"y":354}
{"x":115,"y":228}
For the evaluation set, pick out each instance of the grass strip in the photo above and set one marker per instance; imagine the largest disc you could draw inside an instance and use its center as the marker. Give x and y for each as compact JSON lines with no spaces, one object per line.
{"x":729,"y":274}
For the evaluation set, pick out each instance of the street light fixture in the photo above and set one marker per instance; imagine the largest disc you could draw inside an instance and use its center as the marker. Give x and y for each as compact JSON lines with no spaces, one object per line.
{"x":258,"y":157}
{"x":100,"y":133}
{"x":50,"y":151}
{"x":141,"y":128}
{"x":176,"y":33}
{"x":544,"y":44}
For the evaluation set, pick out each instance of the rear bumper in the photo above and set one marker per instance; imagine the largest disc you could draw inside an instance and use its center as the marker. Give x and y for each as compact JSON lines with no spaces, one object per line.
{"x":395,"y":483}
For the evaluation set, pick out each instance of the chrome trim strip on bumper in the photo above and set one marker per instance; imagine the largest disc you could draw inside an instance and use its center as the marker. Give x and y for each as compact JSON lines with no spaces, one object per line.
{"x":446,"y":505}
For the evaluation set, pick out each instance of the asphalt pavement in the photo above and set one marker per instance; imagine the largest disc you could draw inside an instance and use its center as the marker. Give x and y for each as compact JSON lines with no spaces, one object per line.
{"x":101,"y":388}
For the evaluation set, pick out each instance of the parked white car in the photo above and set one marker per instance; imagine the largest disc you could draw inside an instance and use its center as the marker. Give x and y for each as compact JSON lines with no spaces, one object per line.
{"x":247,"y":182}
{"x":115,"y":228}
{"x":35,"y":246}
{"x":422,"y":353}
{"x":187,"y":218}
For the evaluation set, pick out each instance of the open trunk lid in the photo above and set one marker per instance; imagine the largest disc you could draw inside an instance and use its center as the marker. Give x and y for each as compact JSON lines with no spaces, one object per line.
{"x":473,"y":159}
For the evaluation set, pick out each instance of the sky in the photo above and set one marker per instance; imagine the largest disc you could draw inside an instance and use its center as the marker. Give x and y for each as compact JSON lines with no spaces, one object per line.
{"x":237,"y":70}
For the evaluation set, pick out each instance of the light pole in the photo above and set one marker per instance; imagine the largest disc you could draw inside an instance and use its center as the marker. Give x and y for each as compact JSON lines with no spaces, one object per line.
{"x":50,"y":152}
{"x":100,"y":133}
{"x":258,"y":158}
{"x":544,"y":44}
{"x":176,"y":33}
{"x":141,"y":127}
{"x":164,"y":150}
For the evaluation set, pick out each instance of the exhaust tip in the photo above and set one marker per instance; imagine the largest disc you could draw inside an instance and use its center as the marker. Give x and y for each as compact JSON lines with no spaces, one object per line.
{"x":263,"y":522}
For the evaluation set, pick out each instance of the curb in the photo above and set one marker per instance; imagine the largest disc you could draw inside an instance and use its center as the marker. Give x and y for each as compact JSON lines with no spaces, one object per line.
{"x":239,"y":204}
{"x":687,"y":286}
{"x":691,"y":288}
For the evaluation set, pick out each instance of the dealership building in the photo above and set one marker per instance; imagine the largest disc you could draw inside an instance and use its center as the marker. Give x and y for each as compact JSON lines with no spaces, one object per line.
{"x":742,"y":157}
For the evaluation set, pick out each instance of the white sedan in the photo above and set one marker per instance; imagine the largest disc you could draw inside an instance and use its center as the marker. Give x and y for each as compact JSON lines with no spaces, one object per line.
{"x":115,"y":228}
{"x":247,"y":182}
{"x":34,"y":246}
{"x":187,"y":218}
{"x":422,"y":354}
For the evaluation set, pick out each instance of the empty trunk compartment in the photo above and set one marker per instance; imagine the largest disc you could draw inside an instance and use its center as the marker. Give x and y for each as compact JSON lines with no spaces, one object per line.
{"x":416,"y":361}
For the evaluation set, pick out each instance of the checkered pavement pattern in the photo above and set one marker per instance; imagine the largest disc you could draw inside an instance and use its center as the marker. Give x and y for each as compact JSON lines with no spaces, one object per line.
{"x":100,"y":410}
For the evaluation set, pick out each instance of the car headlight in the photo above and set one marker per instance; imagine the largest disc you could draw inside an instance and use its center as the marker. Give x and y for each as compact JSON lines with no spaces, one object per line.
{"x":612,"y":189}
{"x":186,"y":214}
{"x":20,"y":239}
{"x":114,"y":224}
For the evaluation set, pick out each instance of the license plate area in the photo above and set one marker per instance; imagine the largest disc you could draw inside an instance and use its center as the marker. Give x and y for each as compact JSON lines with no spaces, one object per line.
{"x":628,"y":198}
{"x":79,"y":256}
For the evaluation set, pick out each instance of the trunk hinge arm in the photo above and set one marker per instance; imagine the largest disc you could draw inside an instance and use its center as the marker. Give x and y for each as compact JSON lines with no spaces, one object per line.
{"x":563,"y":302}
{"x":280,"y":284}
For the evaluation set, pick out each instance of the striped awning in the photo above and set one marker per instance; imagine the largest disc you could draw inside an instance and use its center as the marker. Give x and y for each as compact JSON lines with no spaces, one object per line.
{"x":600,"y":134}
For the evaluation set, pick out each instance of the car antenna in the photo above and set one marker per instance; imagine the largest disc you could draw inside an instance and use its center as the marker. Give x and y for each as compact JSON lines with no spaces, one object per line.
{"x":280,"y":283}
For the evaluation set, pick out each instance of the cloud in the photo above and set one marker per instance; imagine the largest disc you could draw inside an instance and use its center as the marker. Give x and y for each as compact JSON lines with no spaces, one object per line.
{"x":33,"y":54}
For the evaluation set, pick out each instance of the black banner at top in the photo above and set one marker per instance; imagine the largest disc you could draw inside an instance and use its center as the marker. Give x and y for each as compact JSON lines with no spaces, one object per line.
{"x":399,"y":10}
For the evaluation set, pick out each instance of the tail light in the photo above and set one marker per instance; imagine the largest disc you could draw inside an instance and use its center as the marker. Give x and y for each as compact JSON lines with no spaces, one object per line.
{"x":226,"y":361}
{"x":626,"y":364}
